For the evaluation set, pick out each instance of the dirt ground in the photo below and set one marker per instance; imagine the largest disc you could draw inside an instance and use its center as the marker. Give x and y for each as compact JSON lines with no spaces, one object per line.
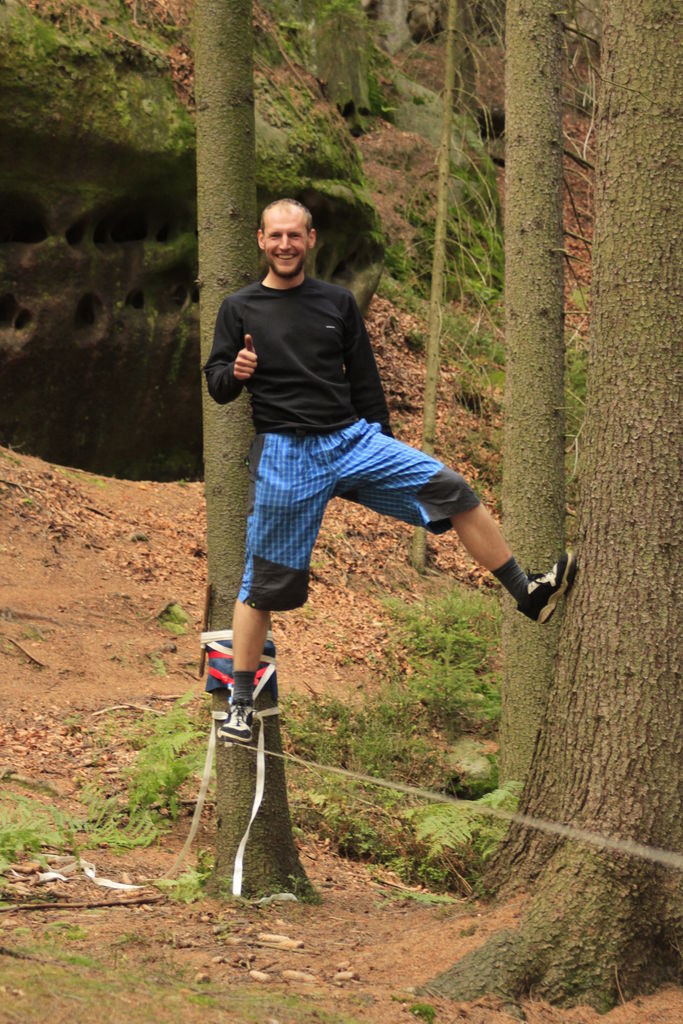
{"x":86,"y":565}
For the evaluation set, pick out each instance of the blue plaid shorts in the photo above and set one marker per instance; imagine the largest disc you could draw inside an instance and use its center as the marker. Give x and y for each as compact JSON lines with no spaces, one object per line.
{"x":291,"y":480}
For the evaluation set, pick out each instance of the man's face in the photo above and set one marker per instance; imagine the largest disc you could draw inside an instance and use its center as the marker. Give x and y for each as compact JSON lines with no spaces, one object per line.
{"x":285,"y":242}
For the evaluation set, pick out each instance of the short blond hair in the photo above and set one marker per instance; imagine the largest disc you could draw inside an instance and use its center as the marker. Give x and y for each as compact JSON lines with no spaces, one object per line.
{"x":288,"y":202}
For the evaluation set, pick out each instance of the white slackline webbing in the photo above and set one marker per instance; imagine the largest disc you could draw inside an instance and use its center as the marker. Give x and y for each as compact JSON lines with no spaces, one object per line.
{"x":238,"y":869}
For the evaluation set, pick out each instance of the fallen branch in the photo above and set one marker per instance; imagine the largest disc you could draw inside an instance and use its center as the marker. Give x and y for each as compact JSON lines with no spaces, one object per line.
{"x":23,"y":650}
{"x":82,"y":904}
{"x":6,"y":951}
{"x":119,"y":707}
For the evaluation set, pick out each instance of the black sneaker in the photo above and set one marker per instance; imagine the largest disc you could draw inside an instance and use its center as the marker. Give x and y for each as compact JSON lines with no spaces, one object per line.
{"x":237,"y":727}
{"x":546,"y":589}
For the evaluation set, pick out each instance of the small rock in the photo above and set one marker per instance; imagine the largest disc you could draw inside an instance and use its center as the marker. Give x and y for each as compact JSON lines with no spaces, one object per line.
{"x":299,"y":976}
{"x":346,"y":976}
{"x":344,"y":965}
{"x":283,"y":941}
{"x":137,"y":537}
{"x":219,"y":960}
{"x":259,"y":975}
{"x":202,"y":977}
{"x":31,"y":867}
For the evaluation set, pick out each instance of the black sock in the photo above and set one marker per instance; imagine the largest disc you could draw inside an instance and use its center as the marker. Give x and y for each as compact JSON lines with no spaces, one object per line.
{"x":513,"y":579}
{"x":243,"y":690}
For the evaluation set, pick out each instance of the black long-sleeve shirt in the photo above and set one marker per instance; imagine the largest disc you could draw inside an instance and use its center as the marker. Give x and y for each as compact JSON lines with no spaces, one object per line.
{"x":316,"y":369}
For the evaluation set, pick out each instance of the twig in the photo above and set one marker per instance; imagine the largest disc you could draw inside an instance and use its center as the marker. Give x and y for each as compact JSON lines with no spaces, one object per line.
{"x":26,"y":780}
{"x":205,"y":625}
{"x":571,"y":256}
{"x":118,"y":707}
{"x":578,"y":159}
{"x":6,"y":951}
{"x":579,"y":238}
{"x":84,"y":904}
{"x":621,"y":994}
{"x":23,"y":650}
{"x":577,"y":32}
{"x":97,"y":511}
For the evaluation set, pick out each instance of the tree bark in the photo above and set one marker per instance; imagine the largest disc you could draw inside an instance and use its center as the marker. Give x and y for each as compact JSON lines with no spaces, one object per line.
{"x":226,"y":213}
{"x":418,"y":554}
{"x":609,"y":758}
{"x":533,"y":467}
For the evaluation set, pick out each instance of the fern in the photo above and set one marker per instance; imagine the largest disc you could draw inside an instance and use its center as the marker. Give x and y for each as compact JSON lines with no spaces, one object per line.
{"x":27,"y":826}
{"x":170,"y":755}
{"x":453,"y":827}
{"x":110,"y":824}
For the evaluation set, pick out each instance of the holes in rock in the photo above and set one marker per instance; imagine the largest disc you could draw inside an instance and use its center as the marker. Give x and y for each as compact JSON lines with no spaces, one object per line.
{"x":136,"y":299}
{"x":23,"y":320}
{"x":163,"y":233}
{"x":129,"y":226}
{"x":29,"y":231}
{"x":21,"y":225}
{"x":87,"y":310}
{"x":194,"y":294}
{"x":8,"y":309}
{"x":179,"y":295}
{"x":76,"y":232}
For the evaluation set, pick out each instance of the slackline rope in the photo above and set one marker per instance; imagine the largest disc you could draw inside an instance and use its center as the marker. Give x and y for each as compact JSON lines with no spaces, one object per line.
{"x":667,"y":858}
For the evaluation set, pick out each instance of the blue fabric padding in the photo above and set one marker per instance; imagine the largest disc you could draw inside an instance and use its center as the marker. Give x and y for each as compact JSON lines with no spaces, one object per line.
{"x":294,"y":477}
{"x":223,"y":664}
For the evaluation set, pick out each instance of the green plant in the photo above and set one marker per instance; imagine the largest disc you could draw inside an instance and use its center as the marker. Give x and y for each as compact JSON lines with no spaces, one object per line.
{"x":111,"y":823}
{"x":170,"y":755}
{"x":462,"y":828}
{"x":424,"y":1010}
{"x":28,"y":826}
{"x":401,"y":733}
{"x":449,"y":644}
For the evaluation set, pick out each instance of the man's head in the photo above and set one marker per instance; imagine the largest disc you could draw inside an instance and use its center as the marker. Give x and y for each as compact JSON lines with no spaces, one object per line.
{"x":285,"y":236}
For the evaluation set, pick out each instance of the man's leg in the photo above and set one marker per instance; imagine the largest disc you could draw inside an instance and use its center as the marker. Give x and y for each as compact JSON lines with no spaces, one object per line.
{"x":536,"y":595}
{"x":250,"y":629}
{"x":481,"y":535}
{"x":249,"y":632}
{"x":392,"y":478}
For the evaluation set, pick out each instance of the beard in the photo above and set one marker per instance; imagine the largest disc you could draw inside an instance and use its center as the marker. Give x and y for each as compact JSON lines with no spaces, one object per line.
{"x":286,"y":268}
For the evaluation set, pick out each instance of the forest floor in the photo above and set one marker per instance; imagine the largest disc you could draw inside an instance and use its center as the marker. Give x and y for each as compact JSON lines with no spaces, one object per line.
{"x":86,"y":566}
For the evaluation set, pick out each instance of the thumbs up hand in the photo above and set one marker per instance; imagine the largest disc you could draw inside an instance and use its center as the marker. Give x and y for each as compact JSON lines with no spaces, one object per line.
{"x":246,"y":361}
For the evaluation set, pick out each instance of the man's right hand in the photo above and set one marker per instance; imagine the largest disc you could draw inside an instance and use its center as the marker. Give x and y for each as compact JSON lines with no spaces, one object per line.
{"x":246,"y":361}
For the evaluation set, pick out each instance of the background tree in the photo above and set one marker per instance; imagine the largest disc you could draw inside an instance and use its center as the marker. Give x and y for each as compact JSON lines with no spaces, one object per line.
{"x":438,"y":265}
{"x":226,"y":208}
{"x":601,"y":925}
{"x":533,"y":460}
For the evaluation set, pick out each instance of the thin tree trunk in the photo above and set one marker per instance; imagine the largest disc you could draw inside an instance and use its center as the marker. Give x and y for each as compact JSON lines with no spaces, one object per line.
{"x":533,"y":466}
{"x":600,"y":926}
{"x":226,"y":207}
{"x":438,"y":265}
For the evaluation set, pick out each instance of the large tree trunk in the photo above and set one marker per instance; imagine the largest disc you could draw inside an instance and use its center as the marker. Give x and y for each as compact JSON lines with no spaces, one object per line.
{"x":533,"y":468}
{"x":418,"y":553}
{"x":610,"y":752}
{"x":226,"y":207}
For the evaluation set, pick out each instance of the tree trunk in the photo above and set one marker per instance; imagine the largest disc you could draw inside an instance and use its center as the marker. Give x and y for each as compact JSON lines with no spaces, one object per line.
{"x":533,"y":467}
{"x":418,"y":553}
{"x":226,"y":209}
{"x":609,"y":757}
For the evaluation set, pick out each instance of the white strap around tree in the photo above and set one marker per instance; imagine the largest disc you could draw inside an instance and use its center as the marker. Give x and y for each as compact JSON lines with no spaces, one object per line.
{"x":238,"y":869}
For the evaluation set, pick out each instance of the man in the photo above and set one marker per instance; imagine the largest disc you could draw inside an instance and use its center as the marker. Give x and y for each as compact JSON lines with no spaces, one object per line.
{"x":300,"y":348}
